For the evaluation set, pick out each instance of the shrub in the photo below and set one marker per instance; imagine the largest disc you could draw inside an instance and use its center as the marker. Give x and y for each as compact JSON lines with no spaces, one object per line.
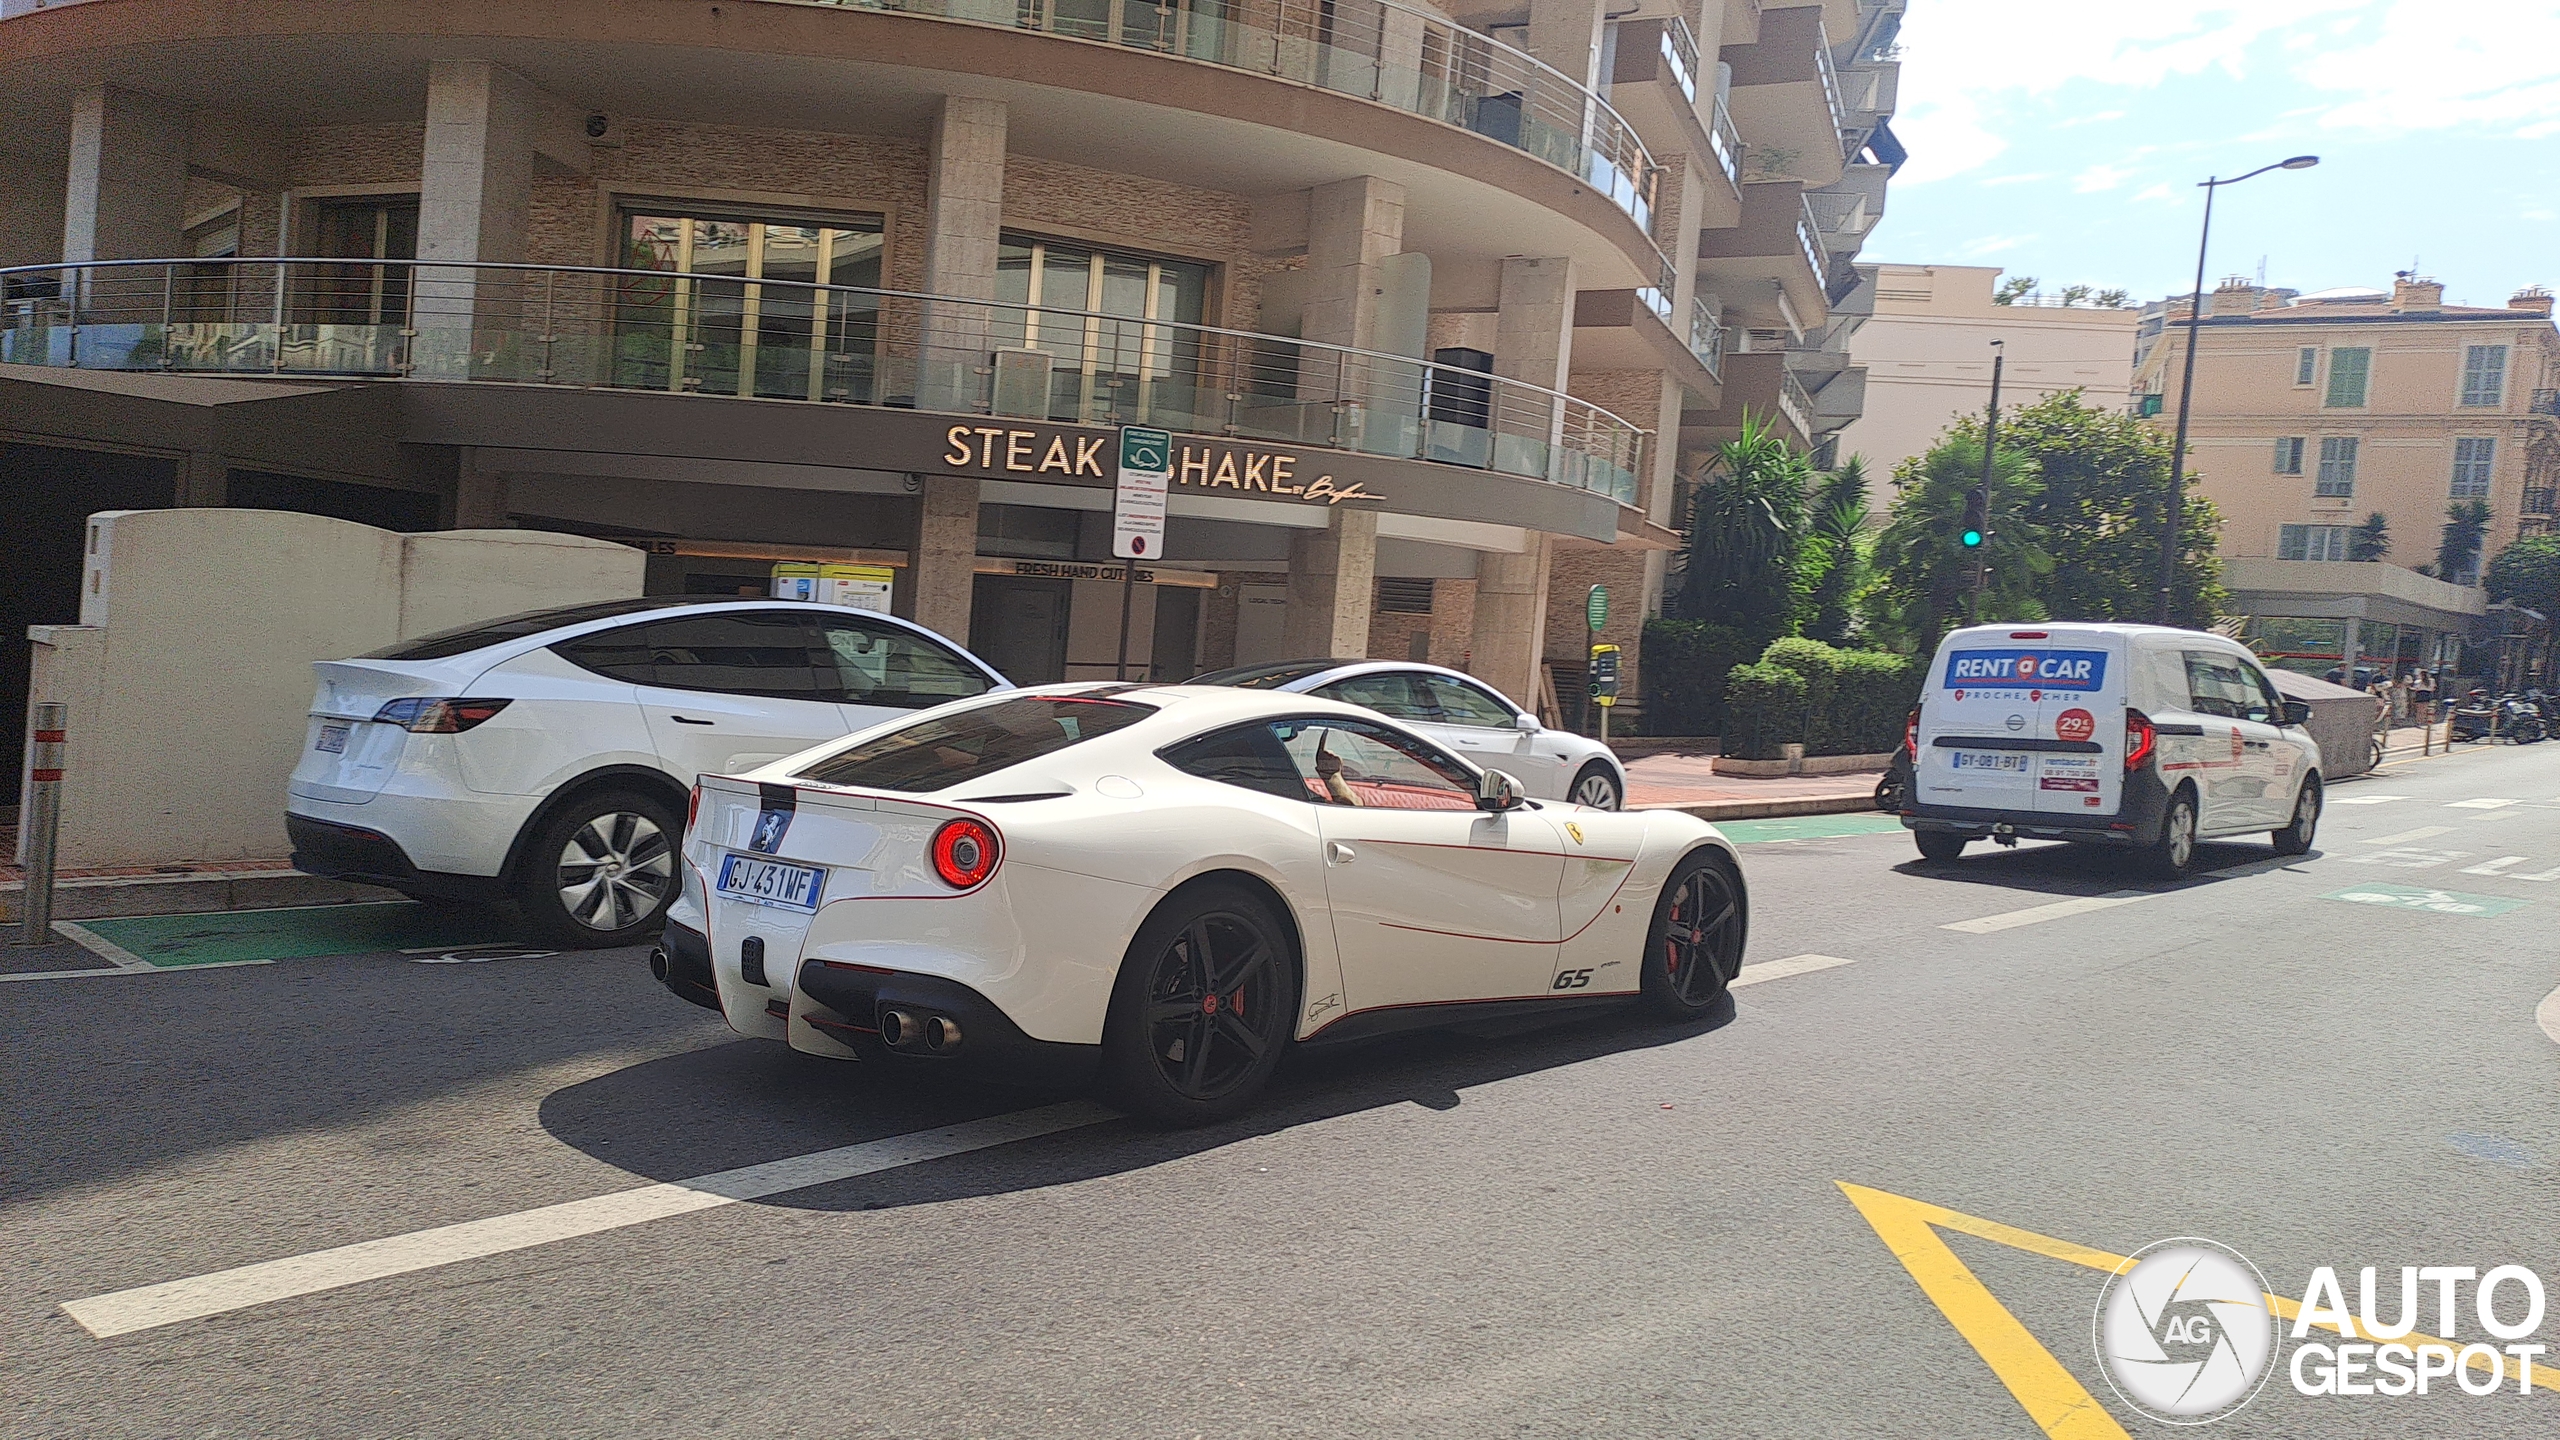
{"x":1819,"y":664}
{"x":1876,"y":691}
{"x":1764,"y":709}
{"x":1685,"y":663}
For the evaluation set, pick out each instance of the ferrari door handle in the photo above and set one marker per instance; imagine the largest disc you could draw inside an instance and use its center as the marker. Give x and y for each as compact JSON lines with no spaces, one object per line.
{"x":1337,"y":853}
{"x":687,"y":720}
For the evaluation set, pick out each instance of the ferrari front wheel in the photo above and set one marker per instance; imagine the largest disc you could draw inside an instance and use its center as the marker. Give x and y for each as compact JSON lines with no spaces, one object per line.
{"x":1695,"y":946}
{"x":1203,"y":1007}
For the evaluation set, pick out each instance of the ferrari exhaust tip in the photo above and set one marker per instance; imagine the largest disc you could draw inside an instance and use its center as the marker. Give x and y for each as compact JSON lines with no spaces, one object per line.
{"x":941,"y":1034}
{"x":898,"y":1028}
{"x":658,"y":963}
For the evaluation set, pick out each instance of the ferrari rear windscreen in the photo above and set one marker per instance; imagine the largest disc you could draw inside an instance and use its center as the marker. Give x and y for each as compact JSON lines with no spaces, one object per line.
{"x":940,"y":752}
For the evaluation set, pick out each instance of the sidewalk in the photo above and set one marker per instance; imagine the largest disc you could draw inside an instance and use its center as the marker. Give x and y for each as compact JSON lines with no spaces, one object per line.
{"x":173,"y":889}
{"x":1687,"y":782}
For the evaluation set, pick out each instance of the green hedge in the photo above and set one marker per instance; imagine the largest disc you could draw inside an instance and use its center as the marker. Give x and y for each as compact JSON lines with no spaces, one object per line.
{"x":1832,"y":701}
{"x":1685,"y":663}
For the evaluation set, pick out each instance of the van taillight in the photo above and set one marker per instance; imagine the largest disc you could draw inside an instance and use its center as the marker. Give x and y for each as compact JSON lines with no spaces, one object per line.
{"x":2030,"y":635}
{"x":1911,"y":736}
{"x":2139,"y":737}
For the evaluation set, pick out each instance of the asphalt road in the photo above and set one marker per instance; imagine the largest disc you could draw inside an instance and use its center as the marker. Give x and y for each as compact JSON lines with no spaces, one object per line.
{"x":1604,"y":1227}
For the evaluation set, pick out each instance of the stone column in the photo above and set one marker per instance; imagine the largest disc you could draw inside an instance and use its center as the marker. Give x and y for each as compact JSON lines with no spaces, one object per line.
{"x":1333,"y":576}
{"x":946,"y":555}
{"x":1352,"y":227}
{"x":1533,"y":343}
{"x":205,"y":480}
{"x":963,"y":225}
{"x":479,"y":497}
{"x":1566,"y":35}
{"x":124,"y":194}
{"x":475,"y":203}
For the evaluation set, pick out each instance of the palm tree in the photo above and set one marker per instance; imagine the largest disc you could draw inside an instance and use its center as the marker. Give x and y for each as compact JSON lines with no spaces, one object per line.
{"x":1831,"y":550}
{"x":1744,"y":532}
{"x":2466,"y":528}
{"x":2372,"y":539}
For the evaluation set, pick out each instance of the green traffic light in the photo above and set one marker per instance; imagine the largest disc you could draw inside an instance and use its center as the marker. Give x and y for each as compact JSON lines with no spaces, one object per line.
{"x":1972,"y":538}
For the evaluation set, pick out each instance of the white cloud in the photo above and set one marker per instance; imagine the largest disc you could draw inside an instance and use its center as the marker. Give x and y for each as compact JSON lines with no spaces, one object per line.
{"x":2029,"y":178}
{"x":2481,"y":64}
{"x":2099,"y":178}
{"x":1994,"y":244}
{"x":2161,"y":191}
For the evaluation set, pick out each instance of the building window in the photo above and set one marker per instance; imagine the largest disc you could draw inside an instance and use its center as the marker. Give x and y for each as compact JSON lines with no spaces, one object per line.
{"x":2484,"y":376}
{"x":2288,"y":454}
{"x":2348,"y":369}
{"x":2313,"y":542}
{"x":2473,"y":458}
{"x":1107,"y":363}
{"x":2337,"y":467}
{"x":2306,"y":364}
{"x":359,"y":228}
{"x":740,"y":311}
{"x":2538,"y":500}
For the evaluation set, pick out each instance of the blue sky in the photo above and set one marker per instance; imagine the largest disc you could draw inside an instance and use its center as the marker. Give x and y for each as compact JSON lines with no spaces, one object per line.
{"x":2063,"y":139}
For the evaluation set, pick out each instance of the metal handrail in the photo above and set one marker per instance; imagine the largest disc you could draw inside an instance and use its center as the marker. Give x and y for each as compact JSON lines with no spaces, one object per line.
{"x":1797,"y":401}
{"x":1706,"y":335}
{"x":1728,"y":145}
{"x":1831,"y":92}
{"x":1680,"y":49}
{"x":1397,"y":55}
{"x":596,"y":327}
{"x":1809,"y":239}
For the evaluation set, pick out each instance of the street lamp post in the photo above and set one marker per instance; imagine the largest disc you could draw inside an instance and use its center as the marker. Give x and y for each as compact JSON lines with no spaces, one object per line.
{"x":2174,"y":495}
{"x":1990,"y":438}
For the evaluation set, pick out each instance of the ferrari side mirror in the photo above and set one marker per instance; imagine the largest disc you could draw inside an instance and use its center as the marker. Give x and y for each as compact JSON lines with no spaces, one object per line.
{"x":1497,"y":791}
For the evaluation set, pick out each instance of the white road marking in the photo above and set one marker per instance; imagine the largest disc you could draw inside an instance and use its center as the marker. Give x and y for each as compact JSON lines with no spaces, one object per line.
{"x":2011,"y":920}
{"x":102,"y":947}
{"x":1781,"y":969}
{"x":149,"y":1306}
{"x":2492,"y":867}
{"x":2479,"y":804}
{"x":2408,"y":859}
{"x":2423,"y":832}
{"x":2551,"y":874}
{"x":2365,"y":799}
{"x":2547,"y":1015}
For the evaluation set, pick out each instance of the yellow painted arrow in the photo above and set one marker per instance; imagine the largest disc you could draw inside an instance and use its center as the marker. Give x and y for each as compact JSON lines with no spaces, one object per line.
{"x":2058,"y":1403}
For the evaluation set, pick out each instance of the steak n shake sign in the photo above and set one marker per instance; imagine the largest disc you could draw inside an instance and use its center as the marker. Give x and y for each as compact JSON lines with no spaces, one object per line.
{"x":997,"y":451}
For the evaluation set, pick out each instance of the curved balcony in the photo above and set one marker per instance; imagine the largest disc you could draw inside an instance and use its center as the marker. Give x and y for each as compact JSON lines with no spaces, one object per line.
{"x":707,"y":334}
{"x":1376,"y":50}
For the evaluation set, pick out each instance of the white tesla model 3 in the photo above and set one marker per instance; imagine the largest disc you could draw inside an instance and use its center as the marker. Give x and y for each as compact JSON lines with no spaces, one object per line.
{"x":1174,"y":883}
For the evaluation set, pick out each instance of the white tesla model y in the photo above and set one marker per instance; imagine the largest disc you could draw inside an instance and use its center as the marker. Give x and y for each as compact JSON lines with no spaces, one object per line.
{"x":1175,"y":884}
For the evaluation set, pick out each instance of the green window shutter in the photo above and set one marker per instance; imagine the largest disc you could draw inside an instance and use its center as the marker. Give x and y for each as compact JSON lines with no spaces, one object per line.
{"x":2348,"y":369}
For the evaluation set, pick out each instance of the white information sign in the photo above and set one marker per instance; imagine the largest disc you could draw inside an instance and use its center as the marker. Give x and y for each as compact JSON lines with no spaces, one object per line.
{"x":1137,"y":509}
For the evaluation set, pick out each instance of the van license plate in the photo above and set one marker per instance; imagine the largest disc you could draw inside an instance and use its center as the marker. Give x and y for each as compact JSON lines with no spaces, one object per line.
{"x":332,"y":741}
{"x":763,"y":882}
{"x":1982,"y":760}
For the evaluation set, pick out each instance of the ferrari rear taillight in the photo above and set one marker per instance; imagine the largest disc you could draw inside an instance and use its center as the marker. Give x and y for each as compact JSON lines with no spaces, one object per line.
{"x":964,"y":853}
{"x":692,"y":808}
{"x":2139,"y":738}
{"x":1911,"y":736}
{"x":438,"y":717}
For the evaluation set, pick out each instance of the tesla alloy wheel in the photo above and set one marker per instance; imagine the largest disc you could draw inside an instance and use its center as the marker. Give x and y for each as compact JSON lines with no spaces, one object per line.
{"x":602,"y":871}
{"x":1695,"y":946}
{"x":1597,"y":788}
{"x":1203,"y":1008}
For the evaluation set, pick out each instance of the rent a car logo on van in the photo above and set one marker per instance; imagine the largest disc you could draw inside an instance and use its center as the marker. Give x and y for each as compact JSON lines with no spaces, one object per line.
{"x":2019,"y":669}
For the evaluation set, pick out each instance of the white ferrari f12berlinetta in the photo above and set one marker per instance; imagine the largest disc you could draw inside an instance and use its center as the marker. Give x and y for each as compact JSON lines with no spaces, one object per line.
{"x":1172,"y":885}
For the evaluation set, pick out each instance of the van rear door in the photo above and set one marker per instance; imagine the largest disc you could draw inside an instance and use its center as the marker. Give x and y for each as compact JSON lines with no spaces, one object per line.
{"x":2024,"y":721}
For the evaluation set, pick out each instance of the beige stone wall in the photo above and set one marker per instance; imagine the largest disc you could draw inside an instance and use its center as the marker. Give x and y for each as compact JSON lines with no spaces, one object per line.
{"x":2245,"y":398}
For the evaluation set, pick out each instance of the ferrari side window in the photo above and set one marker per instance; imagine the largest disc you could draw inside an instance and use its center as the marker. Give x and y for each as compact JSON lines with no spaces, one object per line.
{"x":1247,"y":755}
{"x":1372,"y":767}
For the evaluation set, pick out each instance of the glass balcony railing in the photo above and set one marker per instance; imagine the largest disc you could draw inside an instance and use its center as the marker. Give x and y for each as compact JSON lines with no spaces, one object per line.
{"x":1680,"y":56}
{"x":1410,"y":59}
{"x":1830,"y":74}
{"x":1728,"y":145}
{"x":1706,"y":336}
{"x":1795,"y":402}
{"x":1809,"y":242}
{"x":697,"y":334}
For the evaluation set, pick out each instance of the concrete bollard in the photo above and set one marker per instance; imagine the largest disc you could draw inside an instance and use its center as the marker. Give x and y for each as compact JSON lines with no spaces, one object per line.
{"x":41,"y":819}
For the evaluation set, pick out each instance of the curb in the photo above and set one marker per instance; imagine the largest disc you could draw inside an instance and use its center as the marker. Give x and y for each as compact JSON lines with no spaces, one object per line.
{"x":110,"y":896}
{"x":1776,"y":809}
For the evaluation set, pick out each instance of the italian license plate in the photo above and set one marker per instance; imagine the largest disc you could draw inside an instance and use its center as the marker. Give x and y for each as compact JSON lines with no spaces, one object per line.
{"x":332,"y":741}
{"x":2013,"y":763}
{"x":768,"y":882}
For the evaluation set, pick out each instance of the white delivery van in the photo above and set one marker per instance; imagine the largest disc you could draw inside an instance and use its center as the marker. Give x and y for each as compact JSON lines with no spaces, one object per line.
{"x":2137,"y":736}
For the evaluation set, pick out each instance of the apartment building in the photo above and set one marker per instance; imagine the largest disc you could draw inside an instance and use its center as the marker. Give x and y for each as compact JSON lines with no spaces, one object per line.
{"x":1927,"y":355}
{"x":2315,"y":411}
{"x":1438,"y":301}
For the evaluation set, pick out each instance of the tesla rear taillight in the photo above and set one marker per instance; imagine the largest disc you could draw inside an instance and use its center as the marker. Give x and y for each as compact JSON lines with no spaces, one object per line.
{"x":2139,"y":738}
{"x":1911,"y":736}
{"x":964,"y":853}
{"x":438,"y":717}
